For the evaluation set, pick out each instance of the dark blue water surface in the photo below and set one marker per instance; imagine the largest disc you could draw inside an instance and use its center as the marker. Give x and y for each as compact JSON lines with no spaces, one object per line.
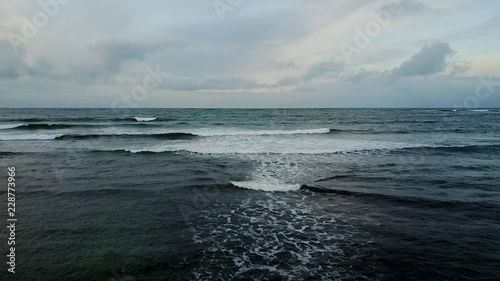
{"x":254,"y":194}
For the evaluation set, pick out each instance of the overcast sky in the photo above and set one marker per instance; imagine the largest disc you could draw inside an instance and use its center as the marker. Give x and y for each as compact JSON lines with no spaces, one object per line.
{"x":250,"y":53}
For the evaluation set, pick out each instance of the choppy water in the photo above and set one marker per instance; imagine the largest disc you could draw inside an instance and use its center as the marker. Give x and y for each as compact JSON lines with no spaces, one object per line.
{"x":270,"y":194}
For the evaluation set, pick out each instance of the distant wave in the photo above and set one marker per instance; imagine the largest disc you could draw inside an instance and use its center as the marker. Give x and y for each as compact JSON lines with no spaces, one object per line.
{"x":88,"y":119}
{"x":126,"y":151}
{"x":402,"y":131}
{"x":209,"y":132}
{"x":6,"y":153}
{"x":188,"y":134}
{"x":469,"y":110}
{"x":335,"y":178}
{"x":44,"y":126}
{"x":27,"y":119}
{"x":142,"y":119}
{"x":266,"y":186}
{"x":232,"y":132}
{"x":9,"y":126}
{"x":195,"y":149}
{"x":390,"y":122}
{"x":165,"y":136}
{"x":400,"y":199}
{"x":457,"y":148}
{"x":22,"y":137}
{"x":145,"y":119}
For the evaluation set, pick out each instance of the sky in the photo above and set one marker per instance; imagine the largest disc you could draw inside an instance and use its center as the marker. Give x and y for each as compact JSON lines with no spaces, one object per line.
{"x":250,"y":53}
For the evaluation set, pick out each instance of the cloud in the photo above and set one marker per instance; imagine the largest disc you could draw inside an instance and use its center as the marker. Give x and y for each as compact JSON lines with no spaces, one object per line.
{"x":11,"y":67}
{"x":207,"y":83}
{"x":113,"y":53}
{"x":247,"y":53}
{"x":409,"y":7}
{"x":14,"y":66}
{"x":315,"y":71}
{"x":358,"y":75}
{"x":322,"y":69}
{"x":429,"y":60}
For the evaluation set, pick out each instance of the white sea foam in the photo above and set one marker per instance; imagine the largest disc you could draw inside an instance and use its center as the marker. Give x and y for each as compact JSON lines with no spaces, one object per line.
{"x":273,"y":145}
{"x":29,"y":137}
{"x":266,"y":186}
{"x":145,"y":119}
{"x":9,"y":126}
{"x":272,"y":229}
{"x":210,"y":132}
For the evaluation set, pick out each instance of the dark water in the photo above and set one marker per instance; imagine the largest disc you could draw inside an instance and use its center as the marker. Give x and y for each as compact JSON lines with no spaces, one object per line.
{"x":274,"y":194}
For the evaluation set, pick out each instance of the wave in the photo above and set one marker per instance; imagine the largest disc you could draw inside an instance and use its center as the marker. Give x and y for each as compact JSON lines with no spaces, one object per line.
{"x":457,"y":148}
{"x":145,"y":119}
{"x":237,"y":132}
{"x":9,"y":126}
{"x":88,"y":119}
{"x":402,"y":131}
{"x":6,"y":153}
{"x":406,"y":200}
{"x":335,"y":178}
{"x":125,"y":151}
{"x":188,"y":134}
{"x":305,"y":149}
{"x":266,"y":186}
{"x":45,"y":126}
{"x":391,"y":122}
{"x":24,"y":137}
{"x":165,"y":136}
{"x":27,"y":119}
{"x":270,"y":146}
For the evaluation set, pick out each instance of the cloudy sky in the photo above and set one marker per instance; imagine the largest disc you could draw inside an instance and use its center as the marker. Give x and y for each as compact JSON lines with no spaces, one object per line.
{"x":250,"y":53}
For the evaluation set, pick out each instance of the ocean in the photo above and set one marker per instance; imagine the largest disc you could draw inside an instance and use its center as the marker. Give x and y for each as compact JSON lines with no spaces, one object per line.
{"x":253,"y":194}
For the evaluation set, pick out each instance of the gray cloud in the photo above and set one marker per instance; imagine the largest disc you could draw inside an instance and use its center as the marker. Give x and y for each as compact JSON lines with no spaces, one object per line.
{"x":14,"y":66}
{"x":429,"y":60}
{"x":358,"y":75}
{"x":113,"y":53}
{"x":409,"y":7}
{"x":315,"y":71}
{"x":207,"y":83}
{"x":11,"y":66}
{"x":323,"y":69}
{"x":199,"y":53}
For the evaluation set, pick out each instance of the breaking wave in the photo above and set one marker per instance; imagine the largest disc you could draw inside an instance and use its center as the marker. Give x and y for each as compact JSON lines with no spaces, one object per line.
{"x":166,"y":136}
{"x":145,"y":119}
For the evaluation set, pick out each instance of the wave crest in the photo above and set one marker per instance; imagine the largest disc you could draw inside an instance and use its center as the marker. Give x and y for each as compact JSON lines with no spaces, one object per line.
{"x":145,"y":119}
{"x":165,"y":136}
{"x":266,"y":186}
